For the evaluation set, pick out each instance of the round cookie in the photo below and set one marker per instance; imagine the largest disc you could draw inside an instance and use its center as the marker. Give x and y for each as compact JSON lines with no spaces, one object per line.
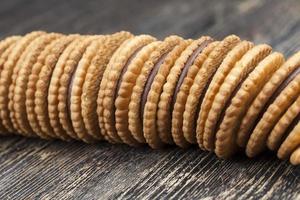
{"x":17,"y":93}
{"x":295,"y":157}
{"x":291,"y":143}
{"x":173,"y":84}
{"x":66,"y":85}
{"x":284,"y":126}
{"x":159,"y":62}
{"x":6,"y":76}
{"x":125,"y":86}
{"x":278,"y":103}
{"x":38,"y":84}
{"x":101,"y":93}
{"x":7,"y":43}
{"x":74,"y":80}
{"x":200,"y":84}
{"x":88,"y":78}
{"x":182,"y":92}
{"x":241,"y":69}
{"x":240,"y":99}
{"x":75,"y":90}
{"x":51,"y":87}
{"x":226,"y":66}
{"x":261,"y":102}
{"x":6,"y":46}
{"x":127,"y":52}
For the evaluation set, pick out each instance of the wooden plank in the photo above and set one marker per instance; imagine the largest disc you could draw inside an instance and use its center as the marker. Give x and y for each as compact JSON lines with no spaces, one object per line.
{"x":38,"y":169}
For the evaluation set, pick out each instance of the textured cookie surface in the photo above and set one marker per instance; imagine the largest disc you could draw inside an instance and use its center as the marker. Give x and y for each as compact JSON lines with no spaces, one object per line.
{"x":260,"y":103}
{"x":225,"y":96}
{"x":201,"y":82}
{"x":160,"y":66}
{"x":128,"y":51}
{"x":173,"y":84}
{"x":240,"y":100}
{"x":93,"y":79}
{"x":228,"y":63}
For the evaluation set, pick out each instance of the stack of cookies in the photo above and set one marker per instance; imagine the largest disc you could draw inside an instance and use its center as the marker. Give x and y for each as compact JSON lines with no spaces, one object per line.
{"x":225,"y":96}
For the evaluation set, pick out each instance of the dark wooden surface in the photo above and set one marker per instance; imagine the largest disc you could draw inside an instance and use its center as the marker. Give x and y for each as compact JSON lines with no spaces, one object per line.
{"x":37,"y":169}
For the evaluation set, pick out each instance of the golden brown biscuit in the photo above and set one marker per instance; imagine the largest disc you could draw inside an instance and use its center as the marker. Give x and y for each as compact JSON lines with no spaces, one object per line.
{"x":295,"y":157}
{"x":262,"y":101}
{"x":239,"y":101}
{"x":182,"y":94}
{"x":279,"y":102}
{"x":6,"y":76}
{"x":236,"y":75}
{"x":53,"y":92}
{"x":173,"y":84}
{"x":93,"y":80}
{"x":158,"y":67}
{"x":6,"y":46}
{"x":292,"y":142}
{"x":66,"y":86}
{"x":101,"y":94}
{"x":284,"y":126}
{"x":143,"y":83}
{"x":17,"y":92}
{"x":226,"y":66}
{"x":38,"y":85}
{"x":200,"y":84}
{"x":125,"y":88}
{"x":127,"y":52}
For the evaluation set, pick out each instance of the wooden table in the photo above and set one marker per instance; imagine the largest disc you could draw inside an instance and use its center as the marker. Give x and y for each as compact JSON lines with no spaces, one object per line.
{"x":38,"y":169}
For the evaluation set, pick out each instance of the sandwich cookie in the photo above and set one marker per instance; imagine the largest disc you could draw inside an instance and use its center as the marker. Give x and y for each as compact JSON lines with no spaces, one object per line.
{"x":295,"y":157}
{"x":127,"y":52}
{"x":160,"y":63}
{"x":239,"y":100}
{"x":241,"y":69}
{"x":15,"y":69}
{"x":291,"y":143}
{"x":101,"y":93}
{"x":17,"y":93}
{"x":182,"y":90}
{"x":66,"y":86}
{"x":6,"y":76}
{"x":37,"y":88}
{"x":201,"y":83}
{"x":226,"y":66}
{"x":263,"y":99}
{"x":76,"y":78}
{"x":53,"y":91}
{"x":172,"y":85}
{"x":125,"y":86}
{"x":6,"y":46}
{"x":236,"y":76}
{"x":11,"y":87}
{"x":284,"y":126}
{"x":83,"y":114}
{"x":277,"y":105}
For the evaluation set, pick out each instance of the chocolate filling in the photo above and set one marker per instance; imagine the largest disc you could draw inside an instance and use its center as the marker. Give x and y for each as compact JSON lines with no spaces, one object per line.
{"x":202,"y":97}
{"x":150,"y":80}
{"x":228,"y":102}
{"x":190,"y":61}
{"x":125,"y":69}
{"x":281,"y":87}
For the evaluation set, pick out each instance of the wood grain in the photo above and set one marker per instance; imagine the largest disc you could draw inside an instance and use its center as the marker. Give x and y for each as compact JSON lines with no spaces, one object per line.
{"x":38,"y":169}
